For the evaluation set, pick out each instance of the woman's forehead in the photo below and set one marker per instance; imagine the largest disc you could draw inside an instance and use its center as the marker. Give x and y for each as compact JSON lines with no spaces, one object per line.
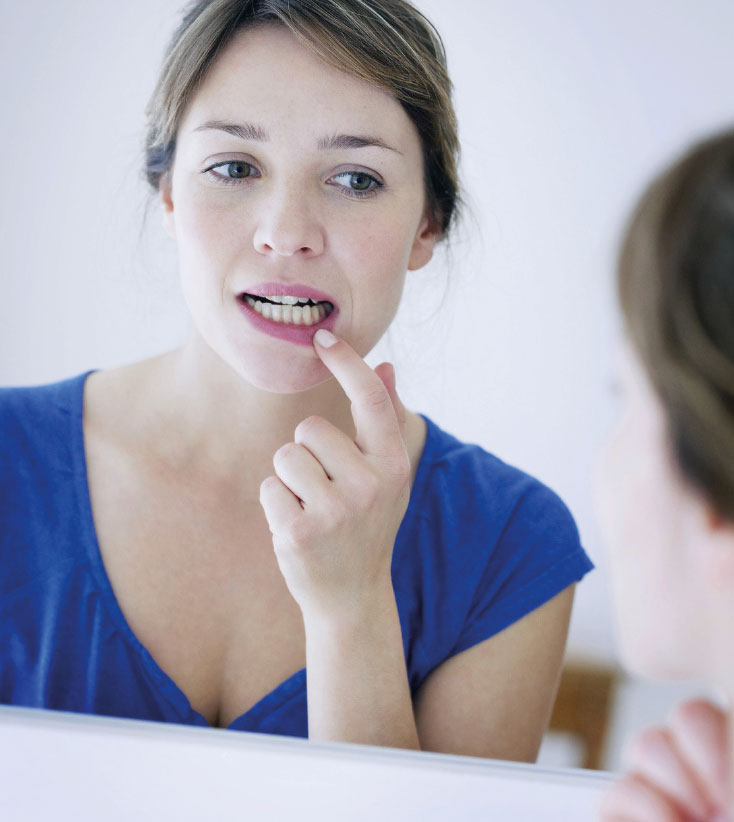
{"x":266,"y":78}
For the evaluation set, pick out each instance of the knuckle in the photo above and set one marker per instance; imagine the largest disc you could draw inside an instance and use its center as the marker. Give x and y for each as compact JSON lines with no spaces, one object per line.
{"x":308,"y":427}
{"x":268,"y":485}
{"x":690,"y":716}
{"x":286,"y":452}
{"x":649,"y":742}
{"x":377,"y":398}
{"x":300,"y":531}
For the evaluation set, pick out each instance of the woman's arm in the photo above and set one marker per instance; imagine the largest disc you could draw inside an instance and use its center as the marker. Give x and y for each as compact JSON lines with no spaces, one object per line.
{"x":334,"y":508}
{"x":357,"y":681}
{"x":495,"y":699}
{"x":492,"y":700}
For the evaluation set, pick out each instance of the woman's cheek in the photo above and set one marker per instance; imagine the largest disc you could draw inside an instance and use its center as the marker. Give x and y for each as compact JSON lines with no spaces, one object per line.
{"x":212,"y":248}
{"x":650,"y":586}
{"x":622,"y":508}
{"x":611,"y":492}
{"x":210,"y":229}
{"x":376,"y":276}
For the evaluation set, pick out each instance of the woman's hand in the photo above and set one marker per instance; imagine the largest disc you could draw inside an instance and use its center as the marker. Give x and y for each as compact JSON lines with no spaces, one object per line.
{"x":336,"y":504}
{"x":677,"y":773}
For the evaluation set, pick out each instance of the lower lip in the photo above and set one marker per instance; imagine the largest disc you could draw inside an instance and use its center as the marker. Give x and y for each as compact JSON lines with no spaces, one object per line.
{"x":297,"y":334}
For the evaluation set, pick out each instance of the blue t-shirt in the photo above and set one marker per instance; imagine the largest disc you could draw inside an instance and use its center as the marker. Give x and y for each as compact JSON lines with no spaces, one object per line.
{"x":481,"y":545}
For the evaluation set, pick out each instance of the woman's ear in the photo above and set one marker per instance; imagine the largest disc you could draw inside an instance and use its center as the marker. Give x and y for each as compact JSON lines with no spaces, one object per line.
{"x":165,"y":191}
{"x":426,"y":237}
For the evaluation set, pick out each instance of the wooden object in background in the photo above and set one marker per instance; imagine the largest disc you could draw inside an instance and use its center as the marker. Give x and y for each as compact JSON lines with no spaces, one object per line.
{"x":583,"y":706}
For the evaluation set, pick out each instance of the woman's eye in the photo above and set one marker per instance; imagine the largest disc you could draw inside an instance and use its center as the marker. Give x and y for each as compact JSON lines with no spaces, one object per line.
{"x":357,"y":183}
{"x":232,"y":171}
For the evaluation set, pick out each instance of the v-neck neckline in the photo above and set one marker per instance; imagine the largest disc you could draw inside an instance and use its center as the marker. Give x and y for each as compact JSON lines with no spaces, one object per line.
{"x":284,"y":691}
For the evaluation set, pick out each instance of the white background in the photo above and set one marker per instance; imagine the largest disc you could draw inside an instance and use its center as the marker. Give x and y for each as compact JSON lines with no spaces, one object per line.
{"x":565,"y":110}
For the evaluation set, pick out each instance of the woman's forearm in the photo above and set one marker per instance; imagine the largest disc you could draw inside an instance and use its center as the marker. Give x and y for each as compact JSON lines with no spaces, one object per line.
{"x":356,"y":677}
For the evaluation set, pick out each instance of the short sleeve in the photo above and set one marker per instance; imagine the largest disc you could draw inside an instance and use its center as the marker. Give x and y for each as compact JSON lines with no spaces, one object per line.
{"x":538,"y":555}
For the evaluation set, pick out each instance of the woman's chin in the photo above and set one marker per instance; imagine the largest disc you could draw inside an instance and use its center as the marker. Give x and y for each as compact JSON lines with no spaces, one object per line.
{"x":651,"y":656}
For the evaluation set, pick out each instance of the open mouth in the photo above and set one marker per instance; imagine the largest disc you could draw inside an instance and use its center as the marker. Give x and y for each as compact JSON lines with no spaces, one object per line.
{"x":289,"y":310}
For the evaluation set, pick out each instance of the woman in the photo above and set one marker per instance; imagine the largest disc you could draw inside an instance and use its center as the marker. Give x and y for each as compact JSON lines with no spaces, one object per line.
{"x":666,"y":481}
{"x":186,"y":536}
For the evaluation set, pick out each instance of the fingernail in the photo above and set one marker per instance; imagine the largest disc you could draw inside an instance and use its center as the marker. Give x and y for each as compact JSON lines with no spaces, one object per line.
{"x":325,"y":338}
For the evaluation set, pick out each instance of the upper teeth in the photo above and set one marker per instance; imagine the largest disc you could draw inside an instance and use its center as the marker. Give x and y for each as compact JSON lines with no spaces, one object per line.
{"x":289,"y":300}
{"x":289,"y":312}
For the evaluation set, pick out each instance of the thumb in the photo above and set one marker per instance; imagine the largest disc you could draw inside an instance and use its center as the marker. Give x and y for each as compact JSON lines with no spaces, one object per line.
{"x":386,"y":372}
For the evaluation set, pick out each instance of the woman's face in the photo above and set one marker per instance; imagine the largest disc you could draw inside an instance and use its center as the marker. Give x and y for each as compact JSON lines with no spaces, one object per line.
{"x":293,"y":179}
{"x":652,"y":528}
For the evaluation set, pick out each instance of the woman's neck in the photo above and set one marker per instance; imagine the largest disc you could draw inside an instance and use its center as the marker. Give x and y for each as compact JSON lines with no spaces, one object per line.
{"x":210,"y":418}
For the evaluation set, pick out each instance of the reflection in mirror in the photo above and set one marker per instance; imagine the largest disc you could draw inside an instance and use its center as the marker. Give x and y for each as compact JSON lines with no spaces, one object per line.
{"x":256,"y":514}
{"x":250,"y":505}
{"x":665,"y":481}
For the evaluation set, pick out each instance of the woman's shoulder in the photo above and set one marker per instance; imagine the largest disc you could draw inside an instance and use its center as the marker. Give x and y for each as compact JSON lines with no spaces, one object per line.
{"x":469,"y":479}
{"x":28,"y":411}
{"x":96,"y":394}
{"x":40,"y":445}
{"x":495,"y":543}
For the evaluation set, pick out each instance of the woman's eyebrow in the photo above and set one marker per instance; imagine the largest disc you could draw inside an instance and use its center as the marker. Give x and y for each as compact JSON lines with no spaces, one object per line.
{"x":350,"y":141}
{"x":249,"y":131}
{"x":246,"y":131}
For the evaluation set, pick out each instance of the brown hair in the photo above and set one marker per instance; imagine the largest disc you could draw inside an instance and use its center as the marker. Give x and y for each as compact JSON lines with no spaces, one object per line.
{"x":676,"y":288}
{"x":386,"y":42}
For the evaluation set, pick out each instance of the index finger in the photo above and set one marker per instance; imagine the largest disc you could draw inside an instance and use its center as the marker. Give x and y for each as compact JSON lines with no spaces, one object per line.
{"x":386,"y":372}
{"x":378,"y":431}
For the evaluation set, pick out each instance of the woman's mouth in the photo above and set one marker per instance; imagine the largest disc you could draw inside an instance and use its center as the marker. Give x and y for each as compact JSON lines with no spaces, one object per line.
{"x":289,"y":310}
{"x":294,"y":318}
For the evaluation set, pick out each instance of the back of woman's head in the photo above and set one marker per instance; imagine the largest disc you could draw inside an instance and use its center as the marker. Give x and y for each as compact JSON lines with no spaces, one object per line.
{"x":385,"y":42}
{"x":676,"y":288}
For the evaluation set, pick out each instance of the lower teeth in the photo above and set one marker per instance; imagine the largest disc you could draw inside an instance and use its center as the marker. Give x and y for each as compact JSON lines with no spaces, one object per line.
{"x":290,"y":314}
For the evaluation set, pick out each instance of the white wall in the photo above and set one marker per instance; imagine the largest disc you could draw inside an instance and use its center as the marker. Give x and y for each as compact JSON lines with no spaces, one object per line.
{"x":565,"y":109}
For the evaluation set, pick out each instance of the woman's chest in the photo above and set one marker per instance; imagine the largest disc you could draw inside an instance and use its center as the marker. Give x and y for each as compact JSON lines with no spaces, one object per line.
{"x":197,"y":581}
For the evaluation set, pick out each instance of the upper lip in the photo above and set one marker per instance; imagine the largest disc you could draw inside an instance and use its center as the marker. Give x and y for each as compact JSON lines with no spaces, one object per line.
{"x":289,"y":290}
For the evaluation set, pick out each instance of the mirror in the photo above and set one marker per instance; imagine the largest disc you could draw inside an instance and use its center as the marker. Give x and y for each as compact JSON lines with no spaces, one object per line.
{"x":563,"y":116}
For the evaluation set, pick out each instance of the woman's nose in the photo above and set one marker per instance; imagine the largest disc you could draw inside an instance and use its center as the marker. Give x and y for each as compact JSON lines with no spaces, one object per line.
{"x":288,"y":225}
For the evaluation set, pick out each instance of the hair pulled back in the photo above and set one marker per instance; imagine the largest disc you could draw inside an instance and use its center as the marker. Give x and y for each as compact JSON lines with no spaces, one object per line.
{"x":676,"y":288}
